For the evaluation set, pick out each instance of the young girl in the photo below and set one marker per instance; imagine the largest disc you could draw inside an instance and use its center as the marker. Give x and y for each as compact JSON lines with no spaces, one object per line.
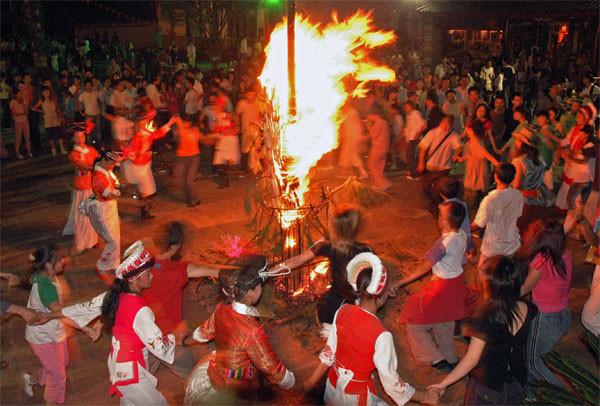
{"x":477,"y":174}
{"x":344,"y":225}
{"x":444,"y":299}
{"x":82,"y":158}
{"x":353,"y":354}
{"x":242,"y":347}
{"x":53,"y":120}
{"x":495,"y":356}
{"x":549,"y":278}
{"x":48,"y":341}
{"x":133,"y":328}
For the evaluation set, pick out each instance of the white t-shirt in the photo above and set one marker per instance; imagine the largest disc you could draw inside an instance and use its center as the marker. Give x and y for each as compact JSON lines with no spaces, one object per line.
{"x":53,"y":331}
{"x":498,"y":213}
{"x":447,"y":253}
{"x":442,"y":156}
{"x":191,"y":102}
{"x":90,"y":102}
{"x":398,"y":125}
{"x":414,"y":123}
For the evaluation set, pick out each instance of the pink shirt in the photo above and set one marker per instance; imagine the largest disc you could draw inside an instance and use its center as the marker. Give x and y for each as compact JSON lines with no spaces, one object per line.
{"x":551,"y":293}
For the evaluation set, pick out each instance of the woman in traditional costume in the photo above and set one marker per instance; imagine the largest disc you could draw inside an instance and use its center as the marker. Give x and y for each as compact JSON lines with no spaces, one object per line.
{"x":353,"y":353}
{"x":133,"y":327}
{"x":230,"y":374}
{"x":82,"y":160}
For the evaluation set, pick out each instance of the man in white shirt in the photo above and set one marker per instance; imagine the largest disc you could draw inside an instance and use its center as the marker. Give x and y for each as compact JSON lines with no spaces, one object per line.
{"x":455,"y":109}
{"x":197,"y":76}
{"x":414,"y":127}
{"x":131,"y":94}
{"x":90,"y":100}
{"x":462,"y":91}
{"x":498,"y":213}
{"x":190,"y":101}
{"x":436,"y":151}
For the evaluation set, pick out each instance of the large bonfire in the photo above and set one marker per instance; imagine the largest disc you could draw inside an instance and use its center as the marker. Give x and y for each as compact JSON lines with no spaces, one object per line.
{"x":332,"y":64}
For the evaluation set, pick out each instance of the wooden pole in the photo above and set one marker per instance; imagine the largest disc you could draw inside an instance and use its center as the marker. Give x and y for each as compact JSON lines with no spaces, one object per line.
{"x":291,"y":34}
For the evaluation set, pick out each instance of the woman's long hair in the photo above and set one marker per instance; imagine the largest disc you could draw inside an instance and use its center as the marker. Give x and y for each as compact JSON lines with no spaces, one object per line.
{"x":486,"y":115}
{"x":546,"y":236}
{"x":501,"y":288}
{"x":343,"y":226}
{"x":111,"y":301}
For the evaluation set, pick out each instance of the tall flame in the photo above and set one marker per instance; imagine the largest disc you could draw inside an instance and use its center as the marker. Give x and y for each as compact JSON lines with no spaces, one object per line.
{"x":324,"y":57}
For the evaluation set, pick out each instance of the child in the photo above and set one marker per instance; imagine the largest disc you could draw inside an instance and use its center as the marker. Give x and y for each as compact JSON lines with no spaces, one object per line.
{"x":549,"y":278}
{"x":498,"y":213}
{"x":444,"y":299}
{"x":449,"y":190}
{"x":48,"y":341}
{"x":243,"y":348}
{"x":353,"y":354}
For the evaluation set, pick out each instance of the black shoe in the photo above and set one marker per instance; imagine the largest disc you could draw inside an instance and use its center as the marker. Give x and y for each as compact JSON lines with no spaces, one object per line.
{"x":194,"y":204}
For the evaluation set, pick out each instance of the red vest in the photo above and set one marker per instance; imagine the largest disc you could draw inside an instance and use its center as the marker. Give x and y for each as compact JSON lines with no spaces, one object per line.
{"x":357,"y":332}
{"x":83,"y":177}
{"x":130,"y":344}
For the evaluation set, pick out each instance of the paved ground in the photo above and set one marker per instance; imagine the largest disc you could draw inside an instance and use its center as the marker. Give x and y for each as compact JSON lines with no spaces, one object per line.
{"x":34,"y":205}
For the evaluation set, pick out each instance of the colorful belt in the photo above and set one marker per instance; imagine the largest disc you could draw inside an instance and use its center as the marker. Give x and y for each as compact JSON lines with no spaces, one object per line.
{"x":242,"y":374}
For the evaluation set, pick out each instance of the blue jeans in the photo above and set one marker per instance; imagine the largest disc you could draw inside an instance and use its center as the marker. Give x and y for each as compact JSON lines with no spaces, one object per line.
{"x":546,"y":330}
{"x":478,"y":394}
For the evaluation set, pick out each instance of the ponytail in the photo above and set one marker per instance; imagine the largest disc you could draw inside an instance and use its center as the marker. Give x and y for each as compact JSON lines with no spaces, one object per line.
{"x":47,"y":253}
{"x":111,"y":301}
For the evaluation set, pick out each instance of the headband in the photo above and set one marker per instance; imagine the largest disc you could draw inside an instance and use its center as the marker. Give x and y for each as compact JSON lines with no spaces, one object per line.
{"x":379,"y":278}
{"x":137,"y":261}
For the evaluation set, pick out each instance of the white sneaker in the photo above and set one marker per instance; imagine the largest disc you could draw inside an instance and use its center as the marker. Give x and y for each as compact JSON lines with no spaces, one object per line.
{"x":27,"y":385}
{"x":53,"y":152}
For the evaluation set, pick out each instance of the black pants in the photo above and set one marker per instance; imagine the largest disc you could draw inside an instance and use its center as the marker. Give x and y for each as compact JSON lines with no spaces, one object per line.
{"x":34,"y":130}
{"x":6,"y":115}
{"x":411,"y":158}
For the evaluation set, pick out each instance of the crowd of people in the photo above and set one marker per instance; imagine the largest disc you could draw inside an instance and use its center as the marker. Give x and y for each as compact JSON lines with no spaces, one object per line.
{"x":518,"y":127}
